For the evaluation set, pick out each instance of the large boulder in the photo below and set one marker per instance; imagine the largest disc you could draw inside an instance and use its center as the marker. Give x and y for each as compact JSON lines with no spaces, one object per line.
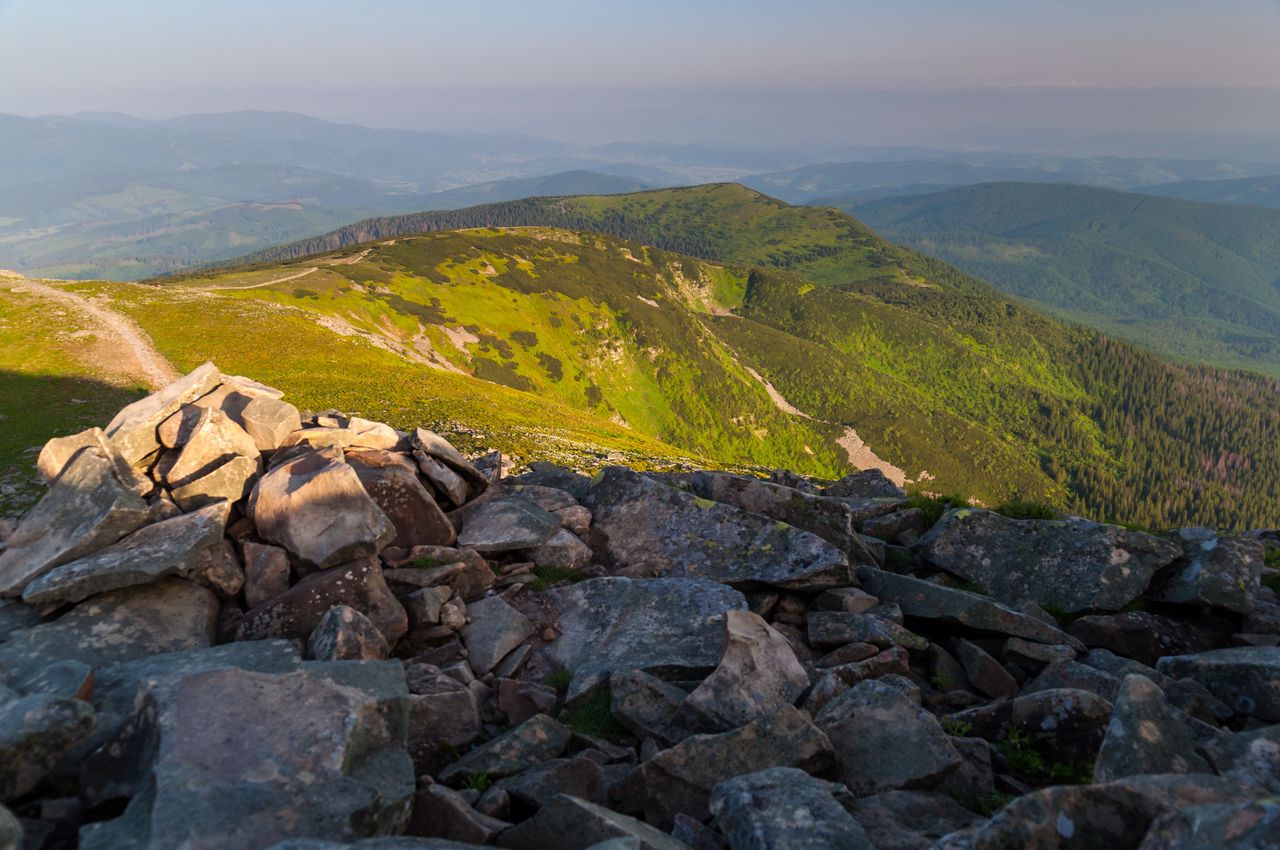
{"x":233,"y":759}
{"x":167,"y":616}
{"x":170,"y":547}
{"x":670,"y":626}
{"x":296,"y":612}
{"x":1140,"y":635}
{"x":1221,"y":571}
{"x":1072,"y":564}
{"x":925,"y":600}
{"x":644,"y":528}
{"x":757,"y":675}
{"x":133,"y":430}
{"x":506,"y":524}
{"x":1146,"y":735}
{"x":570,"y":823}
{"x":1252,"y":756}
{"x":1247,"y":677}
{"x":1249,"y":825}
{"x":315,"y":506}
{"x":784,"y":809}
{"x":86,"y":509}
{"x":885,"y":741}
{"x":834,"y":520}
{"x":680,"y":779}
{"x":392,"y":482}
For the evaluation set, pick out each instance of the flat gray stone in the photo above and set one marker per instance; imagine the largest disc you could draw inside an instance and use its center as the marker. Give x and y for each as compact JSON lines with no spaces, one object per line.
{"x":649,"y":529}
{"x":166,"y":548}
{"x":538,"y":739}
{"x":782,"y":808}
{"x":568,"y":823}
{"x":671,"y":626}
{"x":1221,"y":571}
{"x":1246,"y":678}
{"x":133,"y":429}
{"x":495,"y":629}
{"x":506,"y":524}
{"x":296,"y":612}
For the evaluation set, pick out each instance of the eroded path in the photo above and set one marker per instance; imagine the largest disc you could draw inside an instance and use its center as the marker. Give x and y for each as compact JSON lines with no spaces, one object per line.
{"x":125,"y":349}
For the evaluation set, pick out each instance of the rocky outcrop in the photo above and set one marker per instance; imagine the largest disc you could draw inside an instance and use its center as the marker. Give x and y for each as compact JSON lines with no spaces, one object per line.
{"x":231,"y":624}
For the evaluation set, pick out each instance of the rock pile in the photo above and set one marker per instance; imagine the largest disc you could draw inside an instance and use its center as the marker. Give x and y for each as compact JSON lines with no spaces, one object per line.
{"x":231,"y":624}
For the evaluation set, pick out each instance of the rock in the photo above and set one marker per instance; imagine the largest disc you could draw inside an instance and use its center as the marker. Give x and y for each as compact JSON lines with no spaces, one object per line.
{"x":1145,"y":735}
{"x":668,"y":625}
{"x":495,"y":629}
{"x":34,"y":733}
{"x":443,"y":718}
{"x":891,"y":526}
{"x":1251,"y":757}
{"x":449,"y":484}
{"x":1137,"y":634}
{"x":266,"y":572}
{"x":11,"y":833}
{"x":16,"y":615}
{"x":885,"y":741}
{"x":167,"y":616}
{"x":1033,"y":657}
{"x":268,"y":421}
{"x":1069,"y":724}
{"x":58,"y":452}
{"x":423,"y":605}
{"x":925,"y":600}
{"x":831,"y":519}
{"x":645,"y":705}
{"x":230,"y":481}
{"x":1221,"y":571}
{"x":568,"y":823}
{"x":133,"y":430}
{"x":850,"y":653}
{"x":432,"y":445}
{"x":1072,"y":674}
{"x":521,"y":700}
{"x":1073,"y":564}
{"x":578,"y":777}
{"x":213,"y":441}
{"x":757,"y":675}
{"x":1251,"y":825}
{"x":984,"y":672}
{"x":246,"y":759}
{"x":441,"y":812}
{"x":562,"y":549}
{"x":1114,"y":815}
{"x":506,"y":525}
{"x":866,"y":484}
{"x":86,"y":509}
{"x":391,"y":480}
{"x":219,"y":569}
{"x":851,"y":599}
{"x":170,"y":547}
{"x":296,"y":612}
{"x":680,"y":779}
{"x":354,"y":433}
{"x":784,"y":809}
{"x":1246,"y":678}
{"x":344,"y":634}
{"x":538,"y":739}
{"x":828,"y":629}
{"x":315,"y":506}
{"x":904,"y":820}
{"x":645,"y":528}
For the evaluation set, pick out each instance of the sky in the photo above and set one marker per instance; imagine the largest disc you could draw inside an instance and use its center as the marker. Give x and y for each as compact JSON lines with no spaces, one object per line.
{"x":979,"y":72}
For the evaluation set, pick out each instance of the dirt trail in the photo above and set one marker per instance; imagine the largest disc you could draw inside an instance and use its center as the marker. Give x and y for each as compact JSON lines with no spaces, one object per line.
{"x":272,"y":282}
{"x":129,"y":350}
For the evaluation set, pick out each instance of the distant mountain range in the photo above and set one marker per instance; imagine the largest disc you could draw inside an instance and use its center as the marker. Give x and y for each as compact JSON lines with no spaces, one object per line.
{"x":1196,"y":281}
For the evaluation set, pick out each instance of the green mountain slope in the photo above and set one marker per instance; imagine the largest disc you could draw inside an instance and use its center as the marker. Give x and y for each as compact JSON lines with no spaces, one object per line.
{"x":1200,"y":282}
{"x":937,"y":373}
{"x":1250,"y":191}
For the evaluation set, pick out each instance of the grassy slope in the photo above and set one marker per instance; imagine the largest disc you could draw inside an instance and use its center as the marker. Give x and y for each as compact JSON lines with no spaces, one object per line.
{"x":1251,"y":191}
{"x":1194,"y":281}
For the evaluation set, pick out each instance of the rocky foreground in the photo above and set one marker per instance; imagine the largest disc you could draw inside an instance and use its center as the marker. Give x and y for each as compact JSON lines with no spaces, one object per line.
{"x":232,"y":625}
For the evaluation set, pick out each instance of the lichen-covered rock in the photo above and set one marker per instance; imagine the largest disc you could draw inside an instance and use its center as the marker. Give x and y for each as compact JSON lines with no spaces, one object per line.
{"x":86,"y":509}
{"x":670,"y":625}
{"x":538,"y":739}
{"x":391,"y":480}
{"x":505,"y":524}
{"x":680,"y":779}
{"x":579,"y":777}
{"x":827,"y":629}
{"x":495,"y":629}
{"x":266,"y":572}
{"x":644,"y":528}
{"x":1067,"y":724}
{"x":1073,"y":564}
{"x":344,"y":634}
{"x":432,"y":445}
{"x":1140,"y":635}
{"x":296,"y":612}
{"x":562,"y":549}
{"x":443,"y":717}
{"x":757,"y":675}
{"x":1221,"y":571}
{"x":1250,"y":825}
{"x":170,"y":547}
{"x":986,"y":674}
{"x":782,"y":808}
{"x":232,"y":759}
{"x":315,"y":506}
{"x":133,"y":430}
{"x":568,"y":823}
{"x":1246,"y":678}
{"x":905,"y":820}
{"x":924,"y":600}
{"x":34,"y":733}
{"x":1252,"y":756}
{"x":645,"y":705}
{"x":866,"y":484}
{"x":885,"y":741}
{"x":1146,"y":735}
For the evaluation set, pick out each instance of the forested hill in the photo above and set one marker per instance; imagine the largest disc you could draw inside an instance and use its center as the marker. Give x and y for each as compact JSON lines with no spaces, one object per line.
{"x":939,"y":373}
{"x":1199,"y":282}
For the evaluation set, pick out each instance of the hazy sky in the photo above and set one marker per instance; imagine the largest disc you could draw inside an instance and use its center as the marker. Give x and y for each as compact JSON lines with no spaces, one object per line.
{"x":595,"y":69}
